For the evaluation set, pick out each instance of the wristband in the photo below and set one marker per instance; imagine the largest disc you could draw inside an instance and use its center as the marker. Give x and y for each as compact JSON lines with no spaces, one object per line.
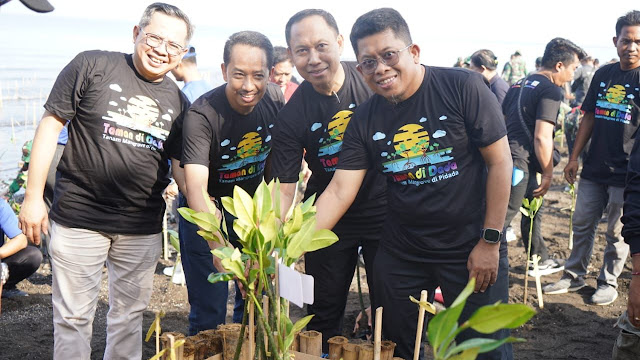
{"x":573,"y":160}
{"x":635,"y":254}
{"x":635,"y":273}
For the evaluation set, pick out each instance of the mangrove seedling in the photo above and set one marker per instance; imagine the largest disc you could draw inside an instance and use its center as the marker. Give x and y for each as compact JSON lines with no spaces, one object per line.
{"x":529,"y":209}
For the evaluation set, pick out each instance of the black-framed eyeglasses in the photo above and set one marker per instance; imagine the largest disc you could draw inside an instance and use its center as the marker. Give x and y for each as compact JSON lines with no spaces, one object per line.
{"x":389,"y":58}
{"x":153,"y":40}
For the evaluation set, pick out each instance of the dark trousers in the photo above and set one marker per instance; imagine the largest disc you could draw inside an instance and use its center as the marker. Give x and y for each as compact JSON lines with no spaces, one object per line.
{"x":524,"y":188}
{"x":21,"y":265}
{"x":208,"y":301}
{"x":396,"y":279}
{"x":332,"y":269}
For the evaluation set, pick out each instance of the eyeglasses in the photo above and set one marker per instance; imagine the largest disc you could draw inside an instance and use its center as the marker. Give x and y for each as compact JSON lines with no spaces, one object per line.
{"x":389,"y":58}
{"x":154,"y":41}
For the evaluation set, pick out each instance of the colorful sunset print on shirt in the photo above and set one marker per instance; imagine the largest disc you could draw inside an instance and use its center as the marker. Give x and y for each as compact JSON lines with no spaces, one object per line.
{"x":331,"y":142}
{"x":415,"y":157}
{"x":615,"y":103}
{"x":136,"y":121}
{"x":246,"y":160}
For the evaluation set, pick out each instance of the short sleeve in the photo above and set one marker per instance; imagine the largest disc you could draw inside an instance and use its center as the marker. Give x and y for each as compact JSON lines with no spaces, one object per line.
{"x":197,"y":135}
{"x":589,"y":103}
{"x":69,"y":88}
{"x":354,"y":154}
{"x":549,"y":104}
{"x":287,"y":152}
{"x":482,"y":113}
{"x":173,"y":145}
{"x":8,"y":220}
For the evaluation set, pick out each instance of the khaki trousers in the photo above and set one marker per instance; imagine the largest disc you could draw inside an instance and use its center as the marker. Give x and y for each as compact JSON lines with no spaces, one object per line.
{"x":77,"y":260}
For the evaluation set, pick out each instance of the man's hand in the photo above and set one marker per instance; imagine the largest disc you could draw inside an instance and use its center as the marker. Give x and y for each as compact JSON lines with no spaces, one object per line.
{"x":483,"y":264}
{"x":545,"y":184}
{"x":33,"y":219}
{"x":633,"y":304}
{"x":171,"y":192}
{"x":571,"y":171}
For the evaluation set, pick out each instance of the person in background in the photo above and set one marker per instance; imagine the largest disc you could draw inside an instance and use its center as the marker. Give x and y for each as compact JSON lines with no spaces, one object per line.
{"x":110,"y":210}
{"x":485,"y":62}
{"x":515,"y":69}
{"x":611,"y":122}
{"x":21,"y":258}
{"x":282,"y":72}
{"x":187,"y":71}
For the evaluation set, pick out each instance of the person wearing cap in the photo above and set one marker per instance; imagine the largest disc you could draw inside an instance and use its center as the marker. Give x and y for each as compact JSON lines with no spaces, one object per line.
{"x":41,"y":6}
{"x":187,"y":71}
{"x":108,"y":204}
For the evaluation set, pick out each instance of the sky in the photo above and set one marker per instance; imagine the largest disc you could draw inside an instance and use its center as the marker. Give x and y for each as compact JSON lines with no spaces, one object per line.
{"x":444,"y":30}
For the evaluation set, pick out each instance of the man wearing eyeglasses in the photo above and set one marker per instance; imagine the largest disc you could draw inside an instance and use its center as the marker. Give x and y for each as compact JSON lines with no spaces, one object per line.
{"x":108,"y":202}
{"x":314,"y":120}
{"x":438,"y":136}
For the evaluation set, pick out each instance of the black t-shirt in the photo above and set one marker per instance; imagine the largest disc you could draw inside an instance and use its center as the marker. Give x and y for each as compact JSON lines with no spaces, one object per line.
{"x":540,"y":101}
{"x":613,"y":98}
{"x":499,"y":88}
{"x":233,"y":146}
{"x":427,"y":148}
{"x":114,"y":166}
{"x":316,"y":123}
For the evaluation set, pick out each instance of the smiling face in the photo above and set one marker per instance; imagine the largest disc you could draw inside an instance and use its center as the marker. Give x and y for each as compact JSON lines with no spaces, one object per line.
{"x":154,"y":63}
{"x":247,"y":75}
{"x":316,"y":48}
{"x":398,"y":82}
{"x":628,"y":47}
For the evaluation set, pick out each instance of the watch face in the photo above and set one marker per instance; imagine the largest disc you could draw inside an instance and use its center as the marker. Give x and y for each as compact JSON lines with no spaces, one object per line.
{"x":491,"y":235}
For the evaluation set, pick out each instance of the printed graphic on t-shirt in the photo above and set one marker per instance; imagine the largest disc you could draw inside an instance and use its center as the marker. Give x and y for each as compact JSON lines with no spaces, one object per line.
{"x":246,"y":160}
{"x":136,"y":121}
{"x":416,"y":157}
{"x":331,"y":141}
{"x":614,"y":103}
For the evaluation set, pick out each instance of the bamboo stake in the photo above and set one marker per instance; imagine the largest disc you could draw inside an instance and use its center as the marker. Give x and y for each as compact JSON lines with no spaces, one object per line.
{"x":157,"y":332}
{"x":265,"y":309}
{"x":536,"y":261}
{"x":377,"y":339}
{"x":277,"y":286}
{"x":165,"y":238}
{"x":252,"y":330}
{"x":416,"y":348}
{"x":172,"y":351}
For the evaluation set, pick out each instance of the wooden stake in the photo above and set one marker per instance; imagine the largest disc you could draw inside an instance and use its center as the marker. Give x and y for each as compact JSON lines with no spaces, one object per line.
{"x":265,"y":309}
{"x":416,"y":347}
{"x":165,"y":238}
{"x":277,"y":286}
{"x":157,"y":333}
{"x":536,"y":272}
{"x":252,"y":330}
{"x":377,"y":339}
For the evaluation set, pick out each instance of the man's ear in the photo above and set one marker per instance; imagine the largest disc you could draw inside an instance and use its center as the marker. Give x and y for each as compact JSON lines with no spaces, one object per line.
{"x":224,"y":72}
{"x":340,"y":40}
{"x":615,"y":41}
{"x":415,"y":52}
{"x":136,"y":31}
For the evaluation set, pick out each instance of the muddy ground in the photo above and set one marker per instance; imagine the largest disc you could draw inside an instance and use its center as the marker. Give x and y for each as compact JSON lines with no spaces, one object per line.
{"x":567,"y":328}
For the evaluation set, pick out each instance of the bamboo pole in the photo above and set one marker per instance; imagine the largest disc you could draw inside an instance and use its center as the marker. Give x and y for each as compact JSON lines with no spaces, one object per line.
{"x":165,"y":239}
{"x":157,"y":332}
{"x":377,"y":339}
{"x":252,"y":330}
{"x":277,"y":287}
{"x":416,"y":347}
{"x":536,"y":272}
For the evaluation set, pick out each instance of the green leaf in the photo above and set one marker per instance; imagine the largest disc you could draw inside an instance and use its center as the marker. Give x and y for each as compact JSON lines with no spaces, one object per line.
{"x":227,"y":203}
{"x":262,"y":199}
{"x":186,"y":213}
{"x":223,"y":252}
{"x":209,"y":236}
{"x":253,"y":275}
{"x":274,"y":188}
{"x":217,"y":277}
{"x":207,"y":221}
{"x":491,"y":318}
{"x":525,"y":203}
{"x":242,"y":229}
{"x":321,"y":239}
{"x":269,"y":227}
{"x":243,"y":205}
{"x":482,"y":345}
{"x":424,"y":304}
{"x":445,"y":323}
{"x":465,"y":293}
{"x":174,"y":239}
{"x":300,"y":324}
{"x":300,"y":239}
{"x":492,"y":346}
{"x":210,"y":205}
{"x":295,"y":222}
{"x":308,"y":204}
{"x":524,"y":211}
{"x":470,"y":354}
{"x":236,"y":267}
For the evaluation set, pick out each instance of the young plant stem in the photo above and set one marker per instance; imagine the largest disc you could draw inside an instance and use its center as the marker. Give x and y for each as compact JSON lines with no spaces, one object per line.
{"x":265,"y":324}
{"x":532,"y":215}
{"x":245,"y":314}
{"x":573,"y":209}
{"x":360,"y":298}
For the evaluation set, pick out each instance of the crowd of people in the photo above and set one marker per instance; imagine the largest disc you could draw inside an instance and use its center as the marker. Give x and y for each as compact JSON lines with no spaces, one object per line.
{"x":420,"y":167}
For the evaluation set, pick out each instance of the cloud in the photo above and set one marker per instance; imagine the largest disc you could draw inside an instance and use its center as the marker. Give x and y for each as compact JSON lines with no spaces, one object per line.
{"x":232,"y":148}
{"x":379,"y":136}
{"x":631,"y":96}
{"x":424,"y":119}
{"x":316,"y":126}
{"x":115,"y":87}
{"x":389,"y":142}
{"x":259,"y":128}
{"x":439,"y":134}
{"x":225,"y":157}
{"x":602,"y":84}
{"x":351,"y":106}
{"x":123,"y":98}
{"x":166,"y":117}
{"x":225,"y":142}
{"x":113,"y":103}
{"x":384,"y":154}
{"x":170,"y":111}
{"x":443,"y":117}
{"x":270,"y":126}
{"x":267,"y":139}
